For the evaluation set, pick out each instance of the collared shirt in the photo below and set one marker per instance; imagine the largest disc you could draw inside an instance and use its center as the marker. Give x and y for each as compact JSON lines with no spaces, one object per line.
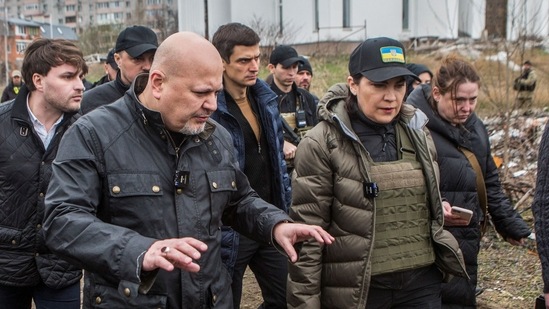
{"x":45,"y":135}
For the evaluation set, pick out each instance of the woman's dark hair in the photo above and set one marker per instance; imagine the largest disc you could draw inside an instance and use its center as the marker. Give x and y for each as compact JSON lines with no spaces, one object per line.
{"x":453,"y":72}
{"x":351,"y":103}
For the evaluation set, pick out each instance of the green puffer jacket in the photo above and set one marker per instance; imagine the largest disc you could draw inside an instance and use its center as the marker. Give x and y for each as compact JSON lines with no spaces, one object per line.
{"x":327,"y":185}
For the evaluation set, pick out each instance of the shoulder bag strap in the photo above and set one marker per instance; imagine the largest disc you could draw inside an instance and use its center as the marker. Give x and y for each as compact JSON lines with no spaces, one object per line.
{"x":481,"y":188}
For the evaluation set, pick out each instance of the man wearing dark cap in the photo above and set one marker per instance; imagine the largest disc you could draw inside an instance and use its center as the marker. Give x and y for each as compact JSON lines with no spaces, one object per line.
{"x":525,"y":85}
{"x":297,"y":106}
{"x":422,"y":71}
{"x":305,"y":76}
{"x":111,"y":69}
{"x":133,"y":53}
{"x":11,"y":91}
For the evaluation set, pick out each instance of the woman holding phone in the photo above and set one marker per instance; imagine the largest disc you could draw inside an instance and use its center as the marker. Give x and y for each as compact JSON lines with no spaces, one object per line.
{"x":450,"y":102}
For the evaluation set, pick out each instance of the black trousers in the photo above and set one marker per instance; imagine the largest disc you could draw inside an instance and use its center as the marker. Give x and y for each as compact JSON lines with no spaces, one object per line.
{"x":418,"y":289}
{"x":270,"y":268}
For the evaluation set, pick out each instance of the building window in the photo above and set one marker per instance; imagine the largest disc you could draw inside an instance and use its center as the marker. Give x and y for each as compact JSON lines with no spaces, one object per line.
{"x":70,"y":19}
{"x":154,"y":2}
{"x":21,"y":46}
{"x":346,"y":13}
{"x":405,"y":14}
{"x":33,"y":31}
{"x":116,"y":4}
{"x":102,"y":5}
{"x":70,"y":8}
{"x":20,"y":30}
{"x":32,"y":7}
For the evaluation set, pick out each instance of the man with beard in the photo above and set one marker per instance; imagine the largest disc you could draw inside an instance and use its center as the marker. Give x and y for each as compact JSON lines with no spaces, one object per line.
{"x":31,"y":127}
{"x":141,"y":187}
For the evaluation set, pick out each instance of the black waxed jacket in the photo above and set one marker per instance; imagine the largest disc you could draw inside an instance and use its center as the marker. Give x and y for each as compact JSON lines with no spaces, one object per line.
{"x":103,"y":94}
{"x":113,"y":195}
{"x":458,"y":186}
{"x":25,"y":171}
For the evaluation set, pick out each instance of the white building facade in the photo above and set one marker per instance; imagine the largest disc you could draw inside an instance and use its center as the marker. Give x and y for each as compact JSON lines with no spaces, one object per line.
{"x":309,"y":21}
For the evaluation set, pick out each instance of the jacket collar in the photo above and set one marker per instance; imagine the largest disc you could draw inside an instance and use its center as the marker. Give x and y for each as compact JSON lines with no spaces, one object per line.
{"x":332,"y":109}
{"x":20,"y":112}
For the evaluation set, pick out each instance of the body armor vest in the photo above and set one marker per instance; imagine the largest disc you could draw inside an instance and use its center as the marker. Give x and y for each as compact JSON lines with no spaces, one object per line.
{"x":402,"y":238}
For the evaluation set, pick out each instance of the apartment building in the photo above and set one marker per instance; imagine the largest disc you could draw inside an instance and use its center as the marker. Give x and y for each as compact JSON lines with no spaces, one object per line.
{"x":81,"y":14}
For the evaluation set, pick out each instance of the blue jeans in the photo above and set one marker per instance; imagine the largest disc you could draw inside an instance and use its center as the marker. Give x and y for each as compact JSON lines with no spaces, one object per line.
{"x":14,"y":297}
{"x":270,"y":268}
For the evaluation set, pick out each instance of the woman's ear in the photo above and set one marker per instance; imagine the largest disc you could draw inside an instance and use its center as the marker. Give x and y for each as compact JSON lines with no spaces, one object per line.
{"x":436,"y":94}
{"x":352,"y":85}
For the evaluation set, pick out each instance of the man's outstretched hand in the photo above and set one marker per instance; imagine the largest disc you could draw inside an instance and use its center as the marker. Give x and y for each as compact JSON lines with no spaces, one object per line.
{"x":287,"y":234}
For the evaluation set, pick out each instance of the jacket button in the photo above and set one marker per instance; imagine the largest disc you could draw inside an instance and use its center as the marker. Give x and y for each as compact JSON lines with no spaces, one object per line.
{"x":38,"y":226}
{"x":98,"y":300}
{"x":156,"y":189}
{"x":14,"y":242}
{"x":127,"y":292}
{"x":41,"y":194}
{"x":214,"y":184}
{"x":116,"y":189}
{"x":179,"y":191}
{"x":37,"y":254}
{"x":233,"y":184}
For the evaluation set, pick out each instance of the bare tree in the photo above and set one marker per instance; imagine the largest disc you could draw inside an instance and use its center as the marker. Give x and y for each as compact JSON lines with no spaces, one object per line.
{"x":270,"y":34}
{"x":99,"y":39}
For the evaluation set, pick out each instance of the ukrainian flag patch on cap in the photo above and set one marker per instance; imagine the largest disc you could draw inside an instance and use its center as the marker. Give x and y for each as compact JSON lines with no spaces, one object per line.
{"x":392,"y":54}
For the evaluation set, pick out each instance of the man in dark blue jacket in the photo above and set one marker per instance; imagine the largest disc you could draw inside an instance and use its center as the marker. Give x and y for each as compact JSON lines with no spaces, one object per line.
{"x":31,"y":127}
{"x":248,"y":109}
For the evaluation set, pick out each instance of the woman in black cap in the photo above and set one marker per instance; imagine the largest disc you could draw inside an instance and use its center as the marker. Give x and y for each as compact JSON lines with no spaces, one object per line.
{"x":366,"y":174}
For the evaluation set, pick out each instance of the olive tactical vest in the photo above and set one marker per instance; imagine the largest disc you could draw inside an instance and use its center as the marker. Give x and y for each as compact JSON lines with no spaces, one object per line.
{"x":402,"y":238}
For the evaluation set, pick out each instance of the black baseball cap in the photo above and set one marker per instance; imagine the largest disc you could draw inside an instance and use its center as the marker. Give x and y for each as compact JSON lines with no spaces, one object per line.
{"x":110,"y":59}
{"x":379,"y":59}
{"x":304,"y":65}
{"x":285,"y":55}
{"x":136,"y":41}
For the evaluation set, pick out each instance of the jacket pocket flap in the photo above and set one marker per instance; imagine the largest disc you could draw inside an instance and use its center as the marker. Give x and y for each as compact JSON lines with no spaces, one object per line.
{"x":222,"y":180}
{"x":10,"y":236}
{"x":122,"y":185}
